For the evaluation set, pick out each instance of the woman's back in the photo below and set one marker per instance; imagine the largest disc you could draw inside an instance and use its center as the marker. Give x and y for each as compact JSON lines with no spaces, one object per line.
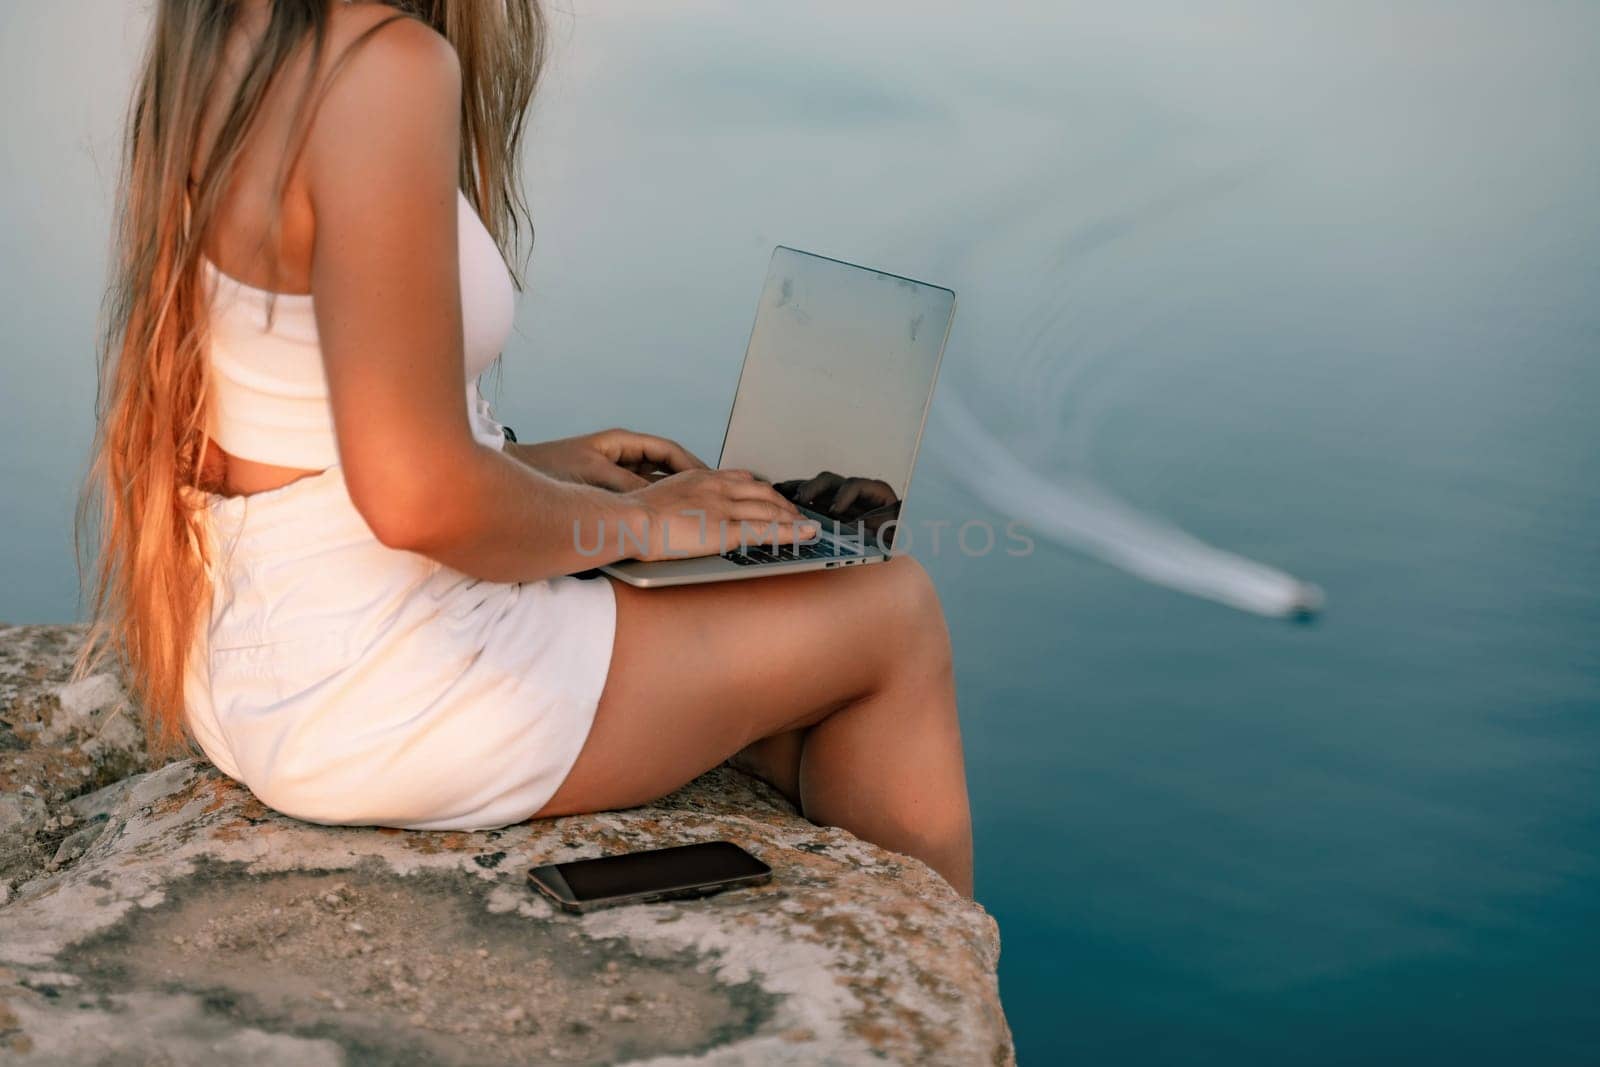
{"x":264,"y":227}
{"x":269,"y":415}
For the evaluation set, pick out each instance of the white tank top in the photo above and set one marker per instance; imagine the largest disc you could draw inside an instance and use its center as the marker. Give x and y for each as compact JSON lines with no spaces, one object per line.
{"x":268,"y":389}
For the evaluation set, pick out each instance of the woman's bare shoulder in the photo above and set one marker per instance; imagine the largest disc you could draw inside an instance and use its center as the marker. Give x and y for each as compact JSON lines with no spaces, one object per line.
{"x":386,"y":77}
{"x":368,"y":43}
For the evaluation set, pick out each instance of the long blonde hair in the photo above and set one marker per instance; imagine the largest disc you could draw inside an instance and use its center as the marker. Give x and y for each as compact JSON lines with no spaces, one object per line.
{"x":141,"y":503}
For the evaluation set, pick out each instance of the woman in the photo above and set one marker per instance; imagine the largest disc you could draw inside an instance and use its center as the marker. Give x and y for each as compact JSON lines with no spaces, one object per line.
{"x":322,"y":562}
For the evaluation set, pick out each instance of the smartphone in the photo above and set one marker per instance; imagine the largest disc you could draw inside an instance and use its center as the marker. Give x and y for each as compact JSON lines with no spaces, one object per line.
{"x":641,"y":877}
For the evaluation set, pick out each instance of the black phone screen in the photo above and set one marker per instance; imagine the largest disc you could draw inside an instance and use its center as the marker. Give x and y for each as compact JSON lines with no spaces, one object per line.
{"x":660,"y":870}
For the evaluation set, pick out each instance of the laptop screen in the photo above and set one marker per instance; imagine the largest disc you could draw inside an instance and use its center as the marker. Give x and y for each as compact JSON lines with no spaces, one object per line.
{"x":835,"y":388}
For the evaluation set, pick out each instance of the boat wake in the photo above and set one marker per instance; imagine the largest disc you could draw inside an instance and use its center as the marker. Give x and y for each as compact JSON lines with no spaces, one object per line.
{"x":1075,"y":512}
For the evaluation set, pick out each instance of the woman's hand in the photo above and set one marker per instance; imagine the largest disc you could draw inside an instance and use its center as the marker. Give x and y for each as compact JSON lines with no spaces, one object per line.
{"x":706,"y":512}
{"x":619,"y":460}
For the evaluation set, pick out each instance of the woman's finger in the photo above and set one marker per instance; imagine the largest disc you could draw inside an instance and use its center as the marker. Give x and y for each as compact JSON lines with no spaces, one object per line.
{"x":762,"y":492}
{"x":618,"y":479}
{"x":639,"y":448}
{"x":781,"y":533}
{"x":760,"y":511}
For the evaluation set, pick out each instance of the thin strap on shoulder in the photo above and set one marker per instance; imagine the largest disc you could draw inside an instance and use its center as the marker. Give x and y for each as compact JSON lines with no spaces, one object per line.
{"x":361,"y":39}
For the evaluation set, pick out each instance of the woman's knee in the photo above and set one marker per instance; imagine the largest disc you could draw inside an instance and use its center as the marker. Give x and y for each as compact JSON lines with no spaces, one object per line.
{"x":918,"y":615}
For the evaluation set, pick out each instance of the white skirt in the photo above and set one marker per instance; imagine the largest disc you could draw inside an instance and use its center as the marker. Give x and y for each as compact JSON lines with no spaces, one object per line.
{"x":346,"y":682}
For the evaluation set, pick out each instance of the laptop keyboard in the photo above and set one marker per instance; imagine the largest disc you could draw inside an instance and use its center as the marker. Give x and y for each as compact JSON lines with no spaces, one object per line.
{"x":755,"y":554}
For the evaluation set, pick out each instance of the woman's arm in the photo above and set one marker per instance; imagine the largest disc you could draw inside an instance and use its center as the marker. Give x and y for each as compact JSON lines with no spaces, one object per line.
{"x":380,"y":170}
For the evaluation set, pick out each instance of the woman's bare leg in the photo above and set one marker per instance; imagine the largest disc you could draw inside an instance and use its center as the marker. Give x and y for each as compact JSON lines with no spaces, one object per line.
{"x":858,"y":660}
{"x":776,"y":761}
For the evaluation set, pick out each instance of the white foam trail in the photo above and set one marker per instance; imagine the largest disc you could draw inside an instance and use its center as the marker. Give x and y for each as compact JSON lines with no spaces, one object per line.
{"x":1075,"y":512}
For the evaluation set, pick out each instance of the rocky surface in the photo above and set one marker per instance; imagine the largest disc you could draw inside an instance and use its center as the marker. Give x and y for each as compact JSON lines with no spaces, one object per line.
{"x":169,"y":917}
{"x":58,"y":740}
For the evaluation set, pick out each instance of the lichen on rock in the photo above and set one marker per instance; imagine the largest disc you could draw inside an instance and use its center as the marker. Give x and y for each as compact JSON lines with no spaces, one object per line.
{"x":178,"y":919}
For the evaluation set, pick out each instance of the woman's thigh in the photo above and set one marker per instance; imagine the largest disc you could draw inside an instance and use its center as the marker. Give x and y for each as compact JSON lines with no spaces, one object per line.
{"x":698,"y":672}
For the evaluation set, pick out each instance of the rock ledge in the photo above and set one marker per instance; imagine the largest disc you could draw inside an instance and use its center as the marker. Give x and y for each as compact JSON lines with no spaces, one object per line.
{"x":178,"y":920}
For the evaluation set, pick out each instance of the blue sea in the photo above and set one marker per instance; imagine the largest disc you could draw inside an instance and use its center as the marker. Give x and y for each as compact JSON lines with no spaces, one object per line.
{"x":1318,"y":283}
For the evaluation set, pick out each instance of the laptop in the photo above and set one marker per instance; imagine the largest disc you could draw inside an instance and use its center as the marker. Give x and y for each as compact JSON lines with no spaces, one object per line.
{"x":831,"y":404}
